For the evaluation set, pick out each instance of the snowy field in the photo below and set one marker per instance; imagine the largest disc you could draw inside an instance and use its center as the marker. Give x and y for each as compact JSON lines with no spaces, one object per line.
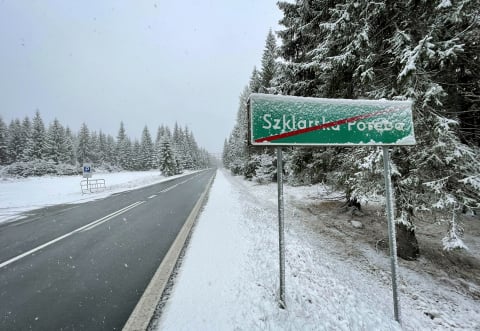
{"x":23,"y":194}
{"x":228,"y":279}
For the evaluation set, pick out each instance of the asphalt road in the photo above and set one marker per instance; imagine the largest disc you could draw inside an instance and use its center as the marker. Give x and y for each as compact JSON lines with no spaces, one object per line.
{"x":85,"y":266}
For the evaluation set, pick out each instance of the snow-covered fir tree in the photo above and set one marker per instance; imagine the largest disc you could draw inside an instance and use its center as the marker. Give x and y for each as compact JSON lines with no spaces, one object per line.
{"x":266,"y":167}
{"x":178,"y":143}
{"x":3,"y":142}
{"x":55,"y":143}
{"x":15,"y":148}
{"x":110,"y":156}
{"x":26,"y":136}
{"x":269,"y":65}
{"x":129,"y":155}
{"x":123,"y":148}
{"x":83,"y":144}
{"x":136,"y":159}
{"x":226,"y":154}
{"x":161,"y":133}
{"x":237,"y":154}
{"x":147,"y":155}
{"x":187,"y":150}
{"x":256,"y":81}
{"x":102,"y":147}
{"x":94,"y":152}
{"x":197,"y":153}
{"x":35,"y":147}
{"x":167,"y":162}
{"x":70,"y":154}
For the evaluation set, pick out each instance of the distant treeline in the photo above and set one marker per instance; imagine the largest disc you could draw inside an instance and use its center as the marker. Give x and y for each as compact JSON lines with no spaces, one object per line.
{"x":28,"y":148}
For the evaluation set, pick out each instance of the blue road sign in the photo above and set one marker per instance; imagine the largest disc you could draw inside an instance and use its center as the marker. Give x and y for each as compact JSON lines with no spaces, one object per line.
{"x":87,"y":170}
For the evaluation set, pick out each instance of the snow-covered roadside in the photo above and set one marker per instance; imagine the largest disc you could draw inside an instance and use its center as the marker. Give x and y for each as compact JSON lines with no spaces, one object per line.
{"x":229,"y":276}
{"x":430,"y":297}
{"x":228,"y":279}
{"x":20,"y":195}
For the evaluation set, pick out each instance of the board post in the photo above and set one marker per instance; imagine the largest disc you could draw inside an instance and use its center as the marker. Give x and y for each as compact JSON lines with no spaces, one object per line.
{"x":281,"y":227}
{"x":392,"y":240}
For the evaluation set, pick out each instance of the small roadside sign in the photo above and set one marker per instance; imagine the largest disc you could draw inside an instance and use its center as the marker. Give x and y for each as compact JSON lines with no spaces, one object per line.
{"x":299,"y":121}
{"x":87,"y":170}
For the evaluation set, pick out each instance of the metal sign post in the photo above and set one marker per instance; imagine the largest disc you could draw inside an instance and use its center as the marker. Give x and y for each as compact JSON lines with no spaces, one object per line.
{"x":276,"y":120}
{"x":281,"y":227}
{"x":87,"y":171}
{"x":392,"y":240}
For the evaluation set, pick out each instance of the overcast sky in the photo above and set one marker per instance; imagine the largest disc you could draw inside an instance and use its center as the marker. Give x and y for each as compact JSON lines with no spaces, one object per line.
{"x":141,"y":62}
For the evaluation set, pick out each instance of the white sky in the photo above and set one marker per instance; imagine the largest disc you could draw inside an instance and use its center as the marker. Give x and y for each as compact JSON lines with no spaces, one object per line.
{"x":144,"y":62}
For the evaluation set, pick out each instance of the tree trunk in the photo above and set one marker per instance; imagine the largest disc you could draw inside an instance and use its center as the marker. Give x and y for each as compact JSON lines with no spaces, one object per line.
{"x":407,"y":244}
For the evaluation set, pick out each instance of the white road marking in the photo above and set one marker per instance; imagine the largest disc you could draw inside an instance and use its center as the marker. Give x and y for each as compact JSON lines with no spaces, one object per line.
{"x":173,"y":186}
{"x":109,"y":217}
{"x":83,"y":228}
{"x":152,"y":196}
{"x":168,"y":188}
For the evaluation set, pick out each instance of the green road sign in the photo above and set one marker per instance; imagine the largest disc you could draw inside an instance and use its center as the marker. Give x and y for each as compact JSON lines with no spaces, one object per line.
{"x":289,"y":121}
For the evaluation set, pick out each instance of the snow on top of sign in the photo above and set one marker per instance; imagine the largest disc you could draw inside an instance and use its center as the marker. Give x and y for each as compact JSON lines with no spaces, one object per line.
{"x":277,"y":97}
{"x":408,"y":140}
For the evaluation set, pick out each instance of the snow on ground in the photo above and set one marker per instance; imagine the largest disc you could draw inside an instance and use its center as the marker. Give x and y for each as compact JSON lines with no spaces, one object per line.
{"x":18,"y":195}
{"x":228,"y":279}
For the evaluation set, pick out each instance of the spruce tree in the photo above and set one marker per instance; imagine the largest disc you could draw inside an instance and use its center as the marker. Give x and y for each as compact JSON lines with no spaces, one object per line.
{"x":26,"y":136}
{"x":147,"y":156}
{"x":238,"y":149}
{"x":122,"y":148}
{"x":266,"y":169}
{"x":83,"y":145}
{"x":167,"y":162}
{"x":255,"y":81}
{"x":300,"y":37}
{"x":161,"y":132}
{"x":15,"y":149}
{"x":268,"y":71}
{"x":225,"y":154}
{"x":3,"y":142}
{"x":35,"y":147}
{"x":136,"y":159}
{"x":102,"y":147}
{"x":128,"y":155}
{"x":194,"y":149}
{"x":70,"y":156}
{"x":94,"y":152}
{"x":178,"y":138}
{"x":187,"y":150}
{"x":55,"y":144}
{"x":110,"y":150}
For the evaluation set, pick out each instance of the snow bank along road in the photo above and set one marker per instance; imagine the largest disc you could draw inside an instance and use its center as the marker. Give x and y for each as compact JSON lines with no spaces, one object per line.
{"x":85,"y":266}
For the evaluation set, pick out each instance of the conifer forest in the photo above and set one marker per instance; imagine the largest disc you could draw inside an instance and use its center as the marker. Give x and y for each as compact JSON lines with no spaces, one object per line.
{"x":29,"y":148}
{"x":424,"y":51}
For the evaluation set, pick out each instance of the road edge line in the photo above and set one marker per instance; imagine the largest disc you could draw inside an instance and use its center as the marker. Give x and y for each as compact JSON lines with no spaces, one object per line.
{"x":141,"y":316}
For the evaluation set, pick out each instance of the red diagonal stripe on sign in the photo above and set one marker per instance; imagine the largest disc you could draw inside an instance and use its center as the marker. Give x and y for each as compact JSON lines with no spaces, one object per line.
{"x":324,"y":126}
